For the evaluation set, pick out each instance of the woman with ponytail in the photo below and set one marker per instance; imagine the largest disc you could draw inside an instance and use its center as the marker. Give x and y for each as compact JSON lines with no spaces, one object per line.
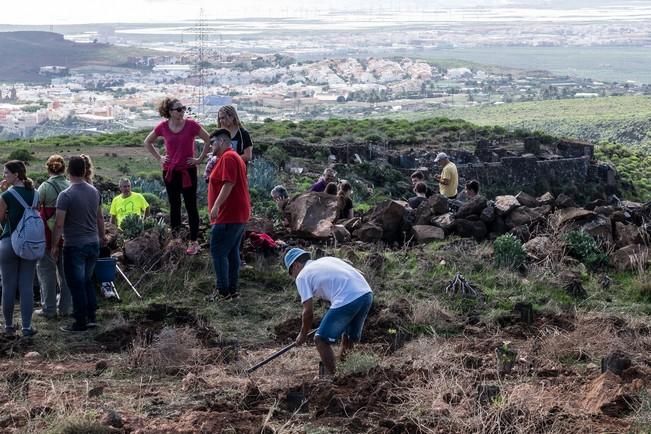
{"x":17,"y":273}
{"x":344,"y":202}
{"x":50,"y":272}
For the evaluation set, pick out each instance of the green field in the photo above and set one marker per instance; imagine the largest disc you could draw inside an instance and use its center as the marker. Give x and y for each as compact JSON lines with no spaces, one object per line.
{"x":621,"y":119}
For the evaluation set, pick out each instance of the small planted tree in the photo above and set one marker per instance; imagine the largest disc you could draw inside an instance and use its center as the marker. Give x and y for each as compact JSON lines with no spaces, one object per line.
{"x":508,"y":251}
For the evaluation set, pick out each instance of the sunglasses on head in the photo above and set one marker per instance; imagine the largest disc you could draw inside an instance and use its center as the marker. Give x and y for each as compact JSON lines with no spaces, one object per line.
{"x":179,"y":109}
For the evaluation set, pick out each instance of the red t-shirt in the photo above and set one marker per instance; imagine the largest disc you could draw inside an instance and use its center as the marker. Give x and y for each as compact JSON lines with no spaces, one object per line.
{"x":179,"y":147}
{"x":230,"y":168}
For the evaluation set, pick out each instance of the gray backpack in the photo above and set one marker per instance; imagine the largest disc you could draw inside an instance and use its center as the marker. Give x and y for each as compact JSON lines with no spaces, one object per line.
{"x":28,"y":238}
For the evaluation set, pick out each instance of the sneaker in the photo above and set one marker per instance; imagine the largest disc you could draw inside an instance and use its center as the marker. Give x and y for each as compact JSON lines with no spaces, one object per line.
{"x":44,"y":314}
{"x":28,"y":333}
{"x":10,"y":331}
{"x":193,"y":248}
{"x":73,"y":328}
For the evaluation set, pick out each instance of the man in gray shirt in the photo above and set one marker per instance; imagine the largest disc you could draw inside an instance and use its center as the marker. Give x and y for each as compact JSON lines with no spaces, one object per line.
{"x":79,"y":219}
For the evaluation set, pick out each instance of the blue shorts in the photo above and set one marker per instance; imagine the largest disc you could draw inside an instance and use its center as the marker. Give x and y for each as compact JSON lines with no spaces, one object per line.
{"x":347,"y":319}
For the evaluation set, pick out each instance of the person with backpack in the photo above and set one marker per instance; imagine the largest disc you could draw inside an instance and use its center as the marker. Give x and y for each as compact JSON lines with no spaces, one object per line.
{"x":18,"y":271}
{"x":50,"y":273}
{"x":80,"y":221}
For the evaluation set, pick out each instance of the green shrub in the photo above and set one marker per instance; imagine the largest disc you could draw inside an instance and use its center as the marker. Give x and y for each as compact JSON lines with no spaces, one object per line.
{"x":263,"y":175}
{"x":277,"y":155}
{"x":132,"y":226}
{"x":508,"y":251}
{"x":155,"y":202}
{"x":21,"y":155}
{"x":357,"y":363}
{"x":582,"y":246}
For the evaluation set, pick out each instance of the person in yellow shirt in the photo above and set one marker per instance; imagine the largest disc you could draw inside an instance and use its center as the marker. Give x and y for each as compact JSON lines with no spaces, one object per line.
{"x":449,"y":178}
{"x":128,"y":202}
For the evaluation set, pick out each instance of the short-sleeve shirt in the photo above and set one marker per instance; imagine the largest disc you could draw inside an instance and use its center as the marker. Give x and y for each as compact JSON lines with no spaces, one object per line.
{"x":15,"y":209}
{"x":237,"y":208}
{"x":179,"y":147}
{"x":331,"y":279}
{"x":49,"y":190}
{"x":241,"y":141}
{"x":80,"y":201}
{"x":449,"y":172}
{"x":122,"y":206}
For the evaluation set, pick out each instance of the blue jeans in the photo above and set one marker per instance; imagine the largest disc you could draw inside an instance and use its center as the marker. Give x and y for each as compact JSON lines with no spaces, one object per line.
{"x":78,"y":266}
{"x":225,"y":242}
{"x":17,"y":277}
{"x":347,"y":319}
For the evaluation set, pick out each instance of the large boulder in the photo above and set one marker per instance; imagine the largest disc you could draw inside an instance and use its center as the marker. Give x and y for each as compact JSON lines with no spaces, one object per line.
{"x":497,"y":227}
{"x":470,"y":228}
{"x":312,"y":214}
{"x":391,"y":216}
{"x":630,"y":257}
{"x":626,"y":235}
{"x":436,"y":205}
{"x":537,"y":248}
{"x":487,"y":214}
{"x":474,"y":206}
{"x":505,"y":204}
{"x":564,"y":201}
{"x":565,"y":216}
{"x":601,"y":229}
{"x":546,"y":199}
{"x":369,"y":233}
{"x":340,"y":233}
{"x":144,"y":249}
{"x":426,"y":233}
{"x":543,"y":210}
{"x":445,"y":222}
{"x":527,"y":200}
{"x":522,"y":216}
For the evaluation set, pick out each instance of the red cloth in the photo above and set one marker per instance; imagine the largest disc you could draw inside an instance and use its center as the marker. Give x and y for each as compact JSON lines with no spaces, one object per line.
{"x":261,"y":240}
{"x":179,"y":147}
{"x":186,"y":180}
{"x":230,"y":168}
{"x":46,"y":213}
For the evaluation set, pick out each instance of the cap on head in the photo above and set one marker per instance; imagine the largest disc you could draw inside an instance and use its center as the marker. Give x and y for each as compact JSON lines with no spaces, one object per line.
{"x":292,"y":255}
{"x":441,"y":156}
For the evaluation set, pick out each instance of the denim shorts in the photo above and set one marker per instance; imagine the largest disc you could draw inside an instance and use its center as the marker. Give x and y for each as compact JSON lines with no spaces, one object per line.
{"x":348,"y":319}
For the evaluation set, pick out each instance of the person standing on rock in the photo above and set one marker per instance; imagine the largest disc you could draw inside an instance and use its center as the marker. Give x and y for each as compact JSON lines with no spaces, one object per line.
{"x":449,"y":178}
{"x":350,"y":298}
{"x":80,"y":221}
{"x":50,"y":272}
{"x":229,"y":205}
{"x":17,"y":273}
{"x":179,"y":163}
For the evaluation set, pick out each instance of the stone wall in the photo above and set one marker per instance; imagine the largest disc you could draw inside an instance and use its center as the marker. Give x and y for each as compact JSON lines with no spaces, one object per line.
{"x":525,"y":173}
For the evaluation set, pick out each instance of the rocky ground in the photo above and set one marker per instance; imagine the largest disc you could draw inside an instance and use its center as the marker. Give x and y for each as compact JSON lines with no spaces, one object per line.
{"x":523,"y":358}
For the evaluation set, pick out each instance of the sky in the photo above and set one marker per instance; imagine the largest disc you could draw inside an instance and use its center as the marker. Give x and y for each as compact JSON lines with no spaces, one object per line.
{"x":53,"y":12}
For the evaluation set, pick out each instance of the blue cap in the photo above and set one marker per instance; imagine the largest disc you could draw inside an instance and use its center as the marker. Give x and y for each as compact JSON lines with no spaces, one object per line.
{"x":292,"y":255}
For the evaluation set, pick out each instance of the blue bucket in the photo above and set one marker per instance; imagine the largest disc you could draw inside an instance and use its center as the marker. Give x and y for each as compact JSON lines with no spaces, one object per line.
{"x":105,"y":269}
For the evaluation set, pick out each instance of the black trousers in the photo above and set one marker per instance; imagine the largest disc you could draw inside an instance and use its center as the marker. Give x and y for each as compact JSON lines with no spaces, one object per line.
{"x":175,"y":190}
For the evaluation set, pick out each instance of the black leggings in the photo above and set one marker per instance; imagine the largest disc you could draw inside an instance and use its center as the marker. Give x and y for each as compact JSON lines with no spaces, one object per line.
{"x":174,"y":190}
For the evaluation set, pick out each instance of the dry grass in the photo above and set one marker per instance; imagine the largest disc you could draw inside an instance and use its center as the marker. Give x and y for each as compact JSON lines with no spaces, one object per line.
{"x":171,"y":348}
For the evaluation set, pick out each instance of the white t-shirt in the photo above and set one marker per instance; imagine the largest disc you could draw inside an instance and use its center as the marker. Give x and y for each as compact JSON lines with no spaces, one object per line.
{"x":331,"y":279}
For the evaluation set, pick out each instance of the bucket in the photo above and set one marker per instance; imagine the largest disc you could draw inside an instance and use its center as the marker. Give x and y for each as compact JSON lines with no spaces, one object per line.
{"x":105,"y":269}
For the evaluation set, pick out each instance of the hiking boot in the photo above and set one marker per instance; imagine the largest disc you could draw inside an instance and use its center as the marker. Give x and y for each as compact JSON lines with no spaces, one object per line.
{"x":28,"y":333}
{"x":217,"y":294}
{"x":10,"y":331}
{"x":42,"y":313}
{"x":73,"y":328}
{"x":233,"y":293}
{"x":193,"y":248}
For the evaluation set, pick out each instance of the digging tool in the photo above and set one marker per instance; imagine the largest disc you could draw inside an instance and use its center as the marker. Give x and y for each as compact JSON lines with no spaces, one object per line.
{"x":128,"y":281}
{"x":277,"y":354}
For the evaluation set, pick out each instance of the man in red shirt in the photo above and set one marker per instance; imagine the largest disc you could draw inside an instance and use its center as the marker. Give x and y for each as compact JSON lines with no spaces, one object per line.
{"x":229,"y":205}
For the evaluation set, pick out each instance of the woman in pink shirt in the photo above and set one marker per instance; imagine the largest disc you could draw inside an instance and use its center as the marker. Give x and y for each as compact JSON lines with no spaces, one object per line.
{"x":179,"y":163}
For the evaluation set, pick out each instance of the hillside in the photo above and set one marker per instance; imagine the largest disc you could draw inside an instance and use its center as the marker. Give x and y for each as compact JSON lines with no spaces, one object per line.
{"x":552,"y":339}
{"x":24,"y":52}
{"x":621,"y":119}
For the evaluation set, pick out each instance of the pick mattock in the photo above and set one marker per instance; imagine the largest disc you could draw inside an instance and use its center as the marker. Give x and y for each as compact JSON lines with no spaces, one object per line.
{"x":275,"y":355}
{"x":128,"y":281}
